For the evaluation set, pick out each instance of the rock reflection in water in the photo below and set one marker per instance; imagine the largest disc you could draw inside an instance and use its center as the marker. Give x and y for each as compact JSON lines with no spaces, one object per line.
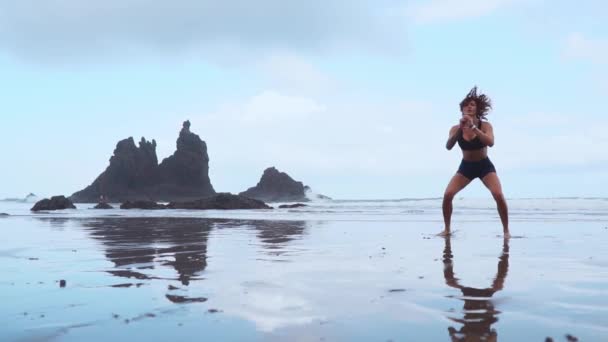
{"x":277,"y":234}
{"x":146,"y":243}
{"x":55,"y":222}
{"x":137,"y":244}
{"x":274,"y":235}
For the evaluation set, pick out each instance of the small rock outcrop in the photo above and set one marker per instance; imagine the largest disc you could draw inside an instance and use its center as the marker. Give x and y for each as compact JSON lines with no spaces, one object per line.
{"x":291,"y":206}
{"x":30,"y":198}
{"x":313,"y":196}
{"x":103,"y":206}
{"x":276,"y":186}
{"x":146,"y":205}
{"x":222,"y":201}
{"x":54,"y":203}
{"x":134,"y":172}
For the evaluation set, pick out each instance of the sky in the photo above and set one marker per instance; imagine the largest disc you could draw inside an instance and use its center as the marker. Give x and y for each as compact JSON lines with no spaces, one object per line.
{"x":353,"y":98}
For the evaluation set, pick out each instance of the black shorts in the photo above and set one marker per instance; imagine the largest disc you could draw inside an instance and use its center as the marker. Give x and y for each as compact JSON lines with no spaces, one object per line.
{"x":474,"y":169}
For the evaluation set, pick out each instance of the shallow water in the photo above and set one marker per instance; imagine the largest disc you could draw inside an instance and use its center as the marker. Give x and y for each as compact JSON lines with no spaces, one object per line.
{"x":341,"y":271}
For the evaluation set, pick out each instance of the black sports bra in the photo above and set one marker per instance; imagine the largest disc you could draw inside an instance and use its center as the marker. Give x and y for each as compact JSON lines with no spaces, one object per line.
{"x":474,"y":144}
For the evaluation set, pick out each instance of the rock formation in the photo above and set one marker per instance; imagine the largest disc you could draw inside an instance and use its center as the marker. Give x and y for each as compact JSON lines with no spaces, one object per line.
{"x":55,"y":203}
{"x":103,"y":205}
{"x":222,"y":201}
{"x":276,"y":186}
{"x":185,"y":174}
{"x":147,"y":205}
{"x":134,"y":172}
{"x":292,"y":206}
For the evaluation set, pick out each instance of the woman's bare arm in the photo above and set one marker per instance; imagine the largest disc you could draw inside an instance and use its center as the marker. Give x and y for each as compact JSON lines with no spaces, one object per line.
{"x":455,"y":133}
{"x":486,"y":135}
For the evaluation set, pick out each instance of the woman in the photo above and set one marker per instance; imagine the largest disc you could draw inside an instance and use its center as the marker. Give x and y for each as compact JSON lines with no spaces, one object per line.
{"x":474,"y":135}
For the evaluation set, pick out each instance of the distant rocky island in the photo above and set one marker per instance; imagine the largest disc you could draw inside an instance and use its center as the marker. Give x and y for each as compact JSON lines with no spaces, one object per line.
{"x":277,"y":186}
{"x":135,"y":174}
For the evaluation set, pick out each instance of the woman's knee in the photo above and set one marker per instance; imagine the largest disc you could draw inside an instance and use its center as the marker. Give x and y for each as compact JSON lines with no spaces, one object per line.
{"x":448,"y":195}
{"x":498,"y":195}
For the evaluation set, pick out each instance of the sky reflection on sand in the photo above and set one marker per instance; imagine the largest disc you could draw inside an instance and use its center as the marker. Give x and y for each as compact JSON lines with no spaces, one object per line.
{"x":155,"y":278}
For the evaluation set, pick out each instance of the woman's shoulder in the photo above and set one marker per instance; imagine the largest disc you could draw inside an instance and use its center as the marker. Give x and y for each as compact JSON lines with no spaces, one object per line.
{"x":485,"y":123}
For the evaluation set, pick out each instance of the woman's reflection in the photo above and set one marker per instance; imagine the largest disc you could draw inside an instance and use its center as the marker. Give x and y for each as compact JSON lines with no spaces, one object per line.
{"x":479,"y":311}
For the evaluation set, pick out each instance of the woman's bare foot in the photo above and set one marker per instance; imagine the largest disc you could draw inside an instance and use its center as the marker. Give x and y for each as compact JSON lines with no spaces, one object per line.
{"x":444,"y":233}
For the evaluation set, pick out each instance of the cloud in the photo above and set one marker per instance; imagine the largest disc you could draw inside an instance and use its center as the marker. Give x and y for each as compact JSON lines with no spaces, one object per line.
{"x":578,"y":46}
{"x":550,"y":140}
{"x":60,"y":30}
{"x":268,"y":108}
{"x":594,"y":51}
{"x":290,"y":72}
{"x":313,"y":135}
{"x":435,"y":11}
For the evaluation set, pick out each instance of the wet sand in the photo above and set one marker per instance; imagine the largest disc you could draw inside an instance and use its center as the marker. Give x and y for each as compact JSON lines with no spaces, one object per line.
{"x":191,"y":279}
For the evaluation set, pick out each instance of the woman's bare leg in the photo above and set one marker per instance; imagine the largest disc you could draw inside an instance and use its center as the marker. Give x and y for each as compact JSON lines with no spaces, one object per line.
{"x":457,"y":183}
{"x":492,"y":182}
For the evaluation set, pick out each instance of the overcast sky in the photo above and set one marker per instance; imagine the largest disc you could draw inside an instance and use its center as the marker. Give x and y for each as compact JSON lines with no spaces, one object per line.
{"x":354,"y":98}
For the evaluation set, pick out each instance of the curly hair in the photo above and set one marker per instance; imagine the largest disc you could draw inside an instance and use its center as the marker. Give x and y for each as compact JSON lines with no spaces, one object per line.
{"x":484,"y":104}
